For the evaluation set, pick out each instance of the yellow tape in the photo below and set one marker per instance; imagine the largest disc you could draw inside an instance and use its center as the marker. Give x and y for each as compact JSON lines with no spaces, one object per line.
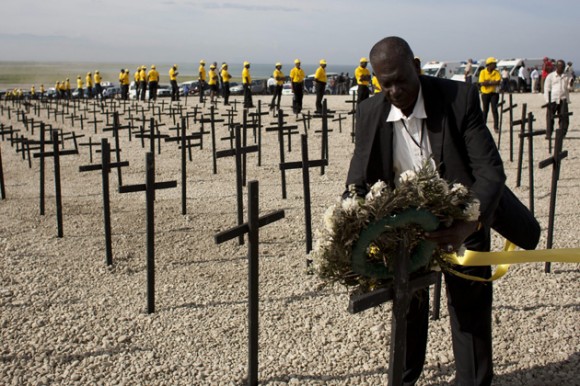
{"x":510,"y":256}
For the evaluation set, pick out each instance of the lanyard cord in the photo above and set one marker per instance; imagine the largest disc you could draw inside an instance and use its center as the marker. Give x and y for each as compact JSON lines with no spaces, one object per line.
{"x":413,"y":138}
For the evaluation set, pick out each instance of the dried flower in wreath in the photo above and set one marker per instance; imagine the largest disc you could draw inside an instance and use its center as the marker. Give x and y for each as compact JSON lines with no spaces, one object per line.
{"x":418,"y":192}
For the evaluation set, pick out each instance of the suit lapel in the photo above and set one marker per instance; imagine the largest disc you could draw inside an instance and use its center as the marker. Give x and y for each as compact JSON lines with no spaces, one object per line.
{"x":435,"y":119}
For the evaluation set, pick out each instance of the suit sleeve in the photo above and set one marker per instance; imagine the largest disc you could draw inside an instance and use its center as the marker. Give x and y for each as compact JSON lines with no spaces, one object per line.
{"x":483,"y":157}
{"x":357,"y":170}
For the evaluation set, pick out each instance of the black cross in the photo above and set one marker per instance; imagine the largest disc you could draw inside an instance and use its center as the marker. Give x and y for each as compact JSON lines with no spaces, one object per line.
{"x":105,"y":167}
{"x":509,"y":109}
{"x":237,"y":153}
{"x":90,"y":144}
{"x":152,"y":136}
{"x":353,"y":113}
{"x":252,"y":228}
{"x":529,"y":135}
{"x":56,"y":153}
{"x":212,"y":120}
{"x":400,"y":292}
{"x":305,"y":120}
{"x":556,"y":161}
{"x":283,"y":130}
{"x":2,"y":186}
{"x":305,"y":165}
{"x":339,"y":120}
{"x":149,"y":188}
{"x":185,"y":144}
{"x":115,"y":129}
{"x":324,"y":148}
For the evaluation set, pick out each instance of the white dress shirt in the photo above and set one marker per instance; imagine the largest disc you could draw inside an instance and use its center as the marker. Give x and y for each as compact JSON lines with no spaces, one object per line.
{"x":411,"y":146}
{"x":557,"y":86}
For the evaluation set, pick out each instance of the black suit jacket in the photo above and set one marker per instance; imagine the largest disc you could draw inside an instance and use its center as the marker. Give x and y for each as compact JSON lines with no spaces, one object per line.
{"x":461,"y":145}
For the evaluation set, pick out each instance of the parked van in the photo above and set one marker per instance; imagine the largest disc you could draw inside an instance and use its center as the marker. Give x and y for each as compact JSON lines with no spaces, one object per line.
{"x":476,"y":66}
{"x":513,"y":67}
{"x":440,"y":69}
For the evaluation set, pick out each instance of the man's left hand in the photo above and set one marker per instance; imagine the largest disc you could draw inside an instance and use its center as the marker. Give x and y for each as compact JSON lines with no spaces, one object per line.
{"x":451,"y":238}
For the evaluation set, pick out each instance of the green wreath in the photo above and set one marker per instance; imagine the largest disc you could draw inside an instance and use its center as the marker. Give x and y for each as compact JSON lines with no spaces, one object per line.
{"x":420,"y":256}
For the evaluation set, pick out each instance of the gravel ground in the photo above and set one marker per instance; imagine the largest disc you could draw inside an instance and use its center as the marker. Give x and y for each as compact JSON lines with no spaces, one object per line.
{"x":67,"y":318}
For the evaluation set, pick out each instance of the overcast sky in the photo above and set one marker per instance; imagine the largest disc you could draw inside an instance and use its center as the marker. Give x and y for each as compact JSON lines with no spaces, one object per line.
{"x":341,"y":31}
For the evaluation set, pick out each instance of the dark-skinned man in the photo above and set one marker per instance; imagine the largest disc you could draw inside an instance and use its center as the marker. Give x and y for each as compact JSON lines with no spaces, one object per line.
{"x":153,"y":80}
{"x":278,"y":76}
{"x":173,"y":80}
{"x":297,"y":80}
{"x":420,"y":119}
{"x":320,"y":84}
{"x":225,"y":75}
{"x":247,"y":85}
{"x":201,"y":78}
{"x":363,"y":79}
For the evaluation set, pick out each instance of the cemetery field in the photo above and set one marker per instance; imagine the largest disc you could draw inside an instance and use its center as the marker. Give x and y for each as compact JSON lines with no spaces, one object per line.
{"x":66,"y":317}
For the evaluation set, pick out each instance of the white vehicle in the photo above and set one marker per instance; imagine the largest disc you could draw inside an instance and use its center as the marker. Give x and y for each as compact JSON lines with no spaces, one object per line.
{"x":440,"y":69}
{"x":513,"y":67}
{"x":476,"y":67}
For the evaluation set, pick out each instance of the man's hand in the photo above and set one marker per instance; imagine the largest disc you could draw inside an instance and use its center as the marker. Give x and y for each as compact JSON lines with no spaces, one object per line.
{"x":450,"y":239}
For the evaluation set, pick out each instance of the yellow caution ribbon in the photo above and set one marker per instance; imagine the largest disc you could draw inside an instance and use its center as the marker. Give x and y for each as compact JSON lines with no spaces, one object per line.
{"x":510,"y":256}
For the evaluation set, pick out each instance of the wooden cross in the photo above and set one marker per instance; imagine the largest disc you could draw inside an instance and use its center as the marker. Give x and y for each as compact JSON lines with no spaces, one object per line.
{"x":324,"y":131}
{"x":212,"y":121}
{"x":509,"y":109}
{"x":530,"y":137}
{"x":400,"y":292}
{"x":149,"y":188}
{"x":90,"y":144}
{"x":105,"y":167}
{"x":283,"y":130}
{"x":305,"y":165}
{"x":56,"y":153}
{"x":185,"y":141}
{"x":2,"y":186}
{"x":339,"y":120}
{"x":237,"y":153}
{"x":556,"y":161}
{"x":252,"y":228}
{"x":353,"y":113}
{"x":305,"y":120}
{"x":115,"y":129}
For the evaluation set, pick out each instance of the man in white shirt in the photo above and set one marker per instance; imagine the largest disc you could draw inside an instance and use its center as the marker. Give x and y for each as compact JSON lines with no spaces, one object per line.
{"x":556,"y":95}
{"x":523,"y":78}
{"x":535,"y":75}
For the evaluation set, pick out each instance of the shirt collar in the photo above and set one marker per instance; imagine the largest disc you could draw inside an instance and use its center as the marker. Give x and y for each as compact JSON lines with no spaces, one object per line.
{"x":418,"y":111}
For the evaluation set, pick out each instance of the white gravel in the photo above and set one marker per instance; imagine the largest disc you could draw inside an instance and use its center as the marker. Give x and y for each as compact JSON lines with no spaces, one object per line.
{"x":66,"y":318}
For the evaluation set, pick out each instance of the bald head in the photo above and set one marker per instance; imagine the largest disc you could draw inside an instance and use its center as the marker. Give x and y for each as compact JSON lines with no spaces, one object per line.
{"x":390,"y":48}
{"x":396,"y":71}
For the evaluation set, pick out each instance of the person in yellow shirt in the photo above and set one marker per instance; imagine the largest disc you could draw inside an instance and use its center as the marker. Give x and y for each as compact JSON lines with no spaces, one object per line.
{"x":297,"y":80}
{"x":124,"y":82}
{"x":213,"y":83}
{"x":57,"y":89}
{"x":32,"y":92}
{"x":173,"y":80}
{"x":376,"y":85}
{"x":80,"y":92}
{"x":153,"y":79}
{"x":98,"y":87}
{"x":489,"y":80}
{"x":67,"y":88}
{"x":363,"y":79}
{"x":320,"y":84}
{"x":247,"y":84}
{"x":89,"y":84}
{"x":137,"y":81}
{"x":278,"y":76}
{"x":201,"y":79}
{"x":42,"y":91}
{"x":225,"y":83}
{"x":143,"y":82}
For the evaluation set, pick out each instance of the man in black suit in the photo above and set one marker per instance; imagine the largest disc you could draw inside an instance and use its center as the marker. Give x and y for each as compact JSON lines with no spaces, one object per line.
{"x":413,"y":119}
